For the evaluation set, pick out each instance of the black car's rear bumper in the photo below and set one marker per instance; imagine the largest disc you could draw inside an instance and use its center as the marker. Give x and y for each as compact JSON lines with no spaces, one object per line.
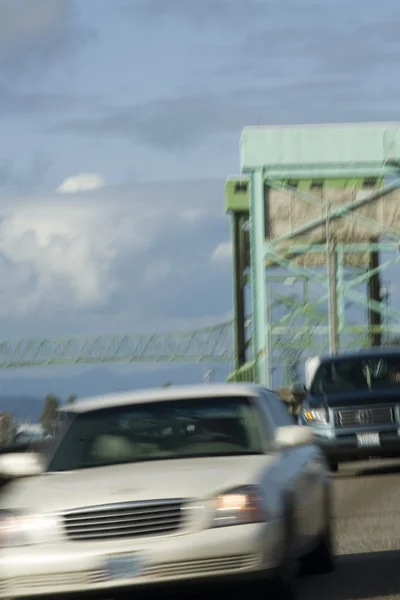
{"x":345,"y":447}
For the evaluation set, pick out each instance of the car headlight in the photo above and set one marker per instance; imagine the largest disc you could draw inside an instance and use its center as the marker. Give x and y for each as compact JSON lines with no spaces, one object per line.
{"x":23,"y":530}
{"x":315,"y":415}
{"x":238,"y":506}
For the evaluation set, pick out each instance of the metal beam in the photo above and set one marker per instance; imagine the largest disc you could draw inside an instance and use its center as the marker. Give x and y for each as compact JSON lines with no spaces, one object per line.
{"x":355,"y":248}
{"x":374,"y":293}
{"x":257,"y":277}
{"x":322,"y":280}
{"x":340,"y":296}
{"x":239,"y":262}
{"x":344,"y":211}
{"x":210,"y":344}
{"x":328,"y":171}
{"x":286,"y":154}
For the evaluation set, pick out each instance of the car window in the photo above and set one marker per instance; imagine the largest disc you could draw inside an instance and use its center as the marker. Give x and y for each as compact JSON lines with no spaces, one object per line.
{"x":270,"y":416}
{"x":24,"y":437}
{"x":177,"y":429}
{"x":357,"y":373}
{"x":285,"y":417}
{"x":276,"y":408}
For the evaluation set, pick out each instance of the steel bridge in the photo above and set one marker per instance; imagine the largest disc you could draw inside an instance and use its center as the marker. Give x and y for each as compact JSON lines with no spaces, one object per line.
{"x":209,"y":344}
{"x":318,"y":207}
{"x":314,"y":207}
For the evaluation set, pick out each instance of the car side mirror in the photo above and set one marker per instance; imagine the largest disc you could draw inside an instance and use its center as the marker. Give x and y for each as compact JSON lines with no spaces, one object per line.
{"x":299,"y":389}
{"x":20,"y":464}
{"x":293,"y":436}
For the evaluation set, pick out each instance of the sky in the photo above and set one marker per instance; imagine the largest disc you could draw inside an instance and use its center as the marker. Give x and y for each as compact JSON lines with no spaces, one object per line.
{"x":120,"y":120}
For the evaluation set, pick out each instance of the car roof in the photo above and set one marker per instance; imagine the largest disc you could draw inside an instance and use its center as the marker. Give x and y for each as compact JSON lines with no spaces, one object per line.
{"x":149,"y":395}
{"x":374,"y":352}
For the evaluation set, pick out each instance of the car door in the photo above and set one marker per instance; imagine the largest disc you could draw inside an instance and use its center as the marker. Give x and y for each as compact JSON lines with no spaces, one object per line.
{"x":297,"y":473}
{"x":314,"y":481}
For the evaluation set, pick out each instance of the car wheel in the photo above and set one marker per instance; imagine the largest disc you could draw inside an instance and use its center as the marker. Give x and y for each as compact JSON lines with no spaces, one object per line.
{"x":321,"y":559}
{"x":334,"y":467}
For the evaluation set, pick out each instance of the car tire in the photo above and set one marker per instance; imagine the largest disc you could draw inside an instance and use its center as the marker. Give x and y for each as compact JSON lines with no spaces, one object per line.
{"x":334,"y":467}
{"x":321,"y":559}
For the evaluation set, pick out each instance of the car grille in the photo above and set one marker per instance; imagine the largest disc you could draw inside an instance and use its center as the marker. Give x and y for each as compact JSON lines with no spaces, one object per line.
{"x":204,"y":566}
{"x":364,"y":416}
{"x":128,"y":520}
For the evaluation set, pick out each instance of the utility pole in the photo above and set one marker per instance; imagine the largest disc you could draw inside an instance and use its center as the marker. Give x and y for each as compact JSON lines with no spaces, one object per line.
{"x":332,"y":283}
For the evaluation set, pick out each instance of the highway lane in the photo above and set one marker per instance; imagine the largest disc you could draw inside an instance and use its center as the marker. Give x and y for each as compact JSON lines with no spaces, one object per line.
{"x":366,"y":515}
{"x":367,"y":535}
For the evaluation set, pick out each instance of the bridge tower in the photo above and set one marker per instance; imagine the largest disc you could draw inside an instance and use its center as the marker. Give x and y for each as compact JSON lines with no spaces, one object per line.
{"x":315,"y":224}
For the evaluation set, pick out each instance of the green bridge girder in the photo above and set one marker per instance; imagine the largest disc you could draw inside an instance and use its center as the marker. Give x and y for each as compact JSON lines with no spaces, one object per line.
{"x":209,"y":344}
{"x":331,"y":174}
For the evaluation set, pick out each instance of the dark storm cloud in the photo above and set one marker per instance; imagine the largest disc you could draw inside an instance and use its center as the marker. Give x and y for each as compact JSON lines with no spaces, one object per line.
{"x":180,"y":123}
{"x":34,"y":36}
{"x":309,"y":65}
{"x":36,"y":33}
{"x":167,"y":123}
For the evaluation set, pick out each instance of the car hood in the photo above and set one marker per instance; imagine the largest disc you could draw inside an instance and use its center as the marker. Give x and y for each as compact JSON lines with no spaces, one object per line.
{"x":185,"y":478}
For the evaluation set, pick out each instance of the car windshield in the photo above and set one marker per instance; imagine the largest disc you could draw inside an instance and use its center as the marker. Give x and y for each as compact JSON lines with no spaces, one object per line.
{"x":166,"y":430}
{"x":352,"y":374}
{"x":24,"y":437}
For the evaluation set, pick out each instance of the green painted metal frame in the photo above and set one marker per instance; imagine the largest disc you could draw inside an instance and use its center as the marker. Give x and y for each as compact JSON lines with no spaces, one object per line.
{"x":261,"y":335}
{"x":346,"y":211}
{"x":237,"y":197}
{"x":260,"y":367}
{"x":239,"y":308}
{"x":209,"y":344}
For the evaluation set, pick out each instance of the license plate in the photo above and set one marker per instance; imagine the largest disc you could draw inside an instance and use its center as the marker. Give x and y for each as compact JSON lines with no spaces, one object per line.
{"x":368,"y":439}
{"x":126,"y":566}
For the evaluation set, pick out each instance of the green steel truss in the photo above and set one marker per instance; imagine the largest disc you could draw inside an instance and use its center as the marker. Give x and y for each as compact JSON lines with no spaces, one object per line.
{"x":283,"y":327}
{"x":305,"y":327}
{"x":210,"y":344}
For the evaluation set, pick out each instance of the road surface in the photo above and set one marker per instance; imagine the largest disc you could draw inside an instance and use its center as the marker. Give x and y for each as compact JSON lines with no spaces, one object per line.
{"x":367,"y":535}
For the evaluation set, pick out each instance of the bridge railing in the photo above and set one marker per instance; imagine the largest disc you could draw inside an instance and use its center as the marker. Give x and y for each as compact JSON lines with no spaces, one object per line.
{"x":246,"y":374}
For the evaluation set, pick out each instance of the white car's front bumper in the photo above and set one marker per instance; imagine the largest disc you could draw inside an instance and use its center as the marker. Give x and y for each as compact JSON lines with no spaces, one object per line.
{"x":73,"y":567}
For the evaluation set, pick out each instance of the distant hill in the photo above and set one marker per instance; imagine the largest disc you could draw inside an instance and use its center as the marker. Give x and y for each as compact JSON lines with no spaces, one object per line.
{"x":22,"y":407}
{"x":24,"y":396}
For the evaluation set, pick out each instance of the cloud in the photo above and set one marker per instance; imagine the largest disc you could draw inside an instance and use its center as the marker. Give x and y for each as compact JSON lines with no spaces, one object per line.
{"x":323,"y":44}
{"x":206,"y":12}
{"x":13,"y":177}
{"x":115,"y":255}
{"x":157,"y":272}
{"x":290,"y":61}
{"x":55,"y":255}
{"x":180,"y":123}
{"x":347,"y":52}
{"x":173,"y":123}
{"x":222,"y":253}
{"x":84,"y":182}
{"x":32,"y":103}
{"x":36,"y":33}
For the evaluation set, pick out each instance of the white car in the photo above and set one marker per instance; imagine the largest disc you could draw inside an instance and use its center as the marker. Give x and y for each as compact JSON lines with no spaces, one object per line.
{"x":197,"y":483}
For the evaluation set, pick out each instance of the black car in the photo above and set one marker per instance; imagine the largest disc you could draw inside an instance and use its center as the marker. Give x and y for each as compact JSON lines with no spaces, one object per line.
{"x":352,"y":403}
